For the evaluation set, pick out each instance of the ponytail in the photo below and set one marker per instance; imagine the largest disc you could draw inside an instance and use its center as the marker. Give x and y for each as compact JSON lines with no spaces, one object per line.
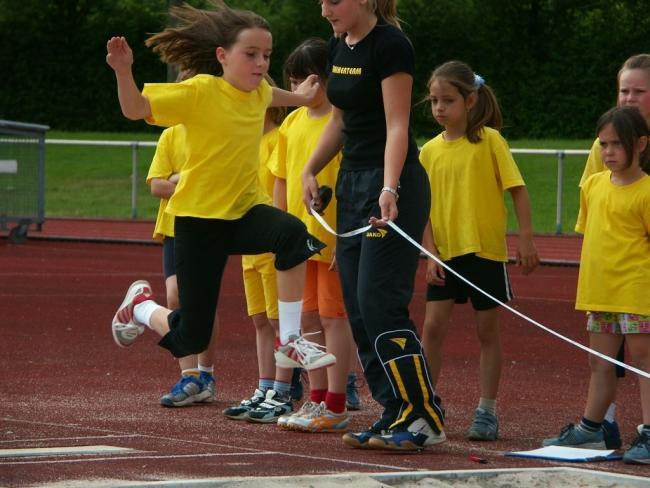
{"x":386,"y":10}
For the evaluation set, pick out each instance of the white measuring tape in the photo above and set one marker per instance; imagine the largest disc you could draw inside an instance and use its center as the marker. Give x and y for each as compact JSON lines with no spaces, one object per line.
{"x":395,"y":227}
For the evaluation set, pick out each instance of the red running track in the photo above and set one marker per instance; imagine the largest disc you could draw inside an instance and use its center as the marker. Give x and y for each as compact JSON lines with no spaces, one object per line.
{"x":65,"y":383}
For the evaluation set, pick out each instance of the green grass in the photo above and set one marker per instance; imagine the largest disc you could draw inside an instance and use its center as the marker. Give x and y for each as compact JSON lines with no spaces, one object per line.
{"x":94,"y":181}
{"x":91,"y":181}
{"x":540,"y":175}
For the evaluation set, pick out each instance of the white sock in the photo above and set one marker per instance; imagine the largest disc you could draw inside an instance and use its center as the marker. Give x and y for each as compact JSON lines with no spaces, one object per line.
{"x":488,"y":405}
{"x":142,"y":312}
{"x":290,"y":313}
{"x":206,"y":369}
{"x":611,"y":413}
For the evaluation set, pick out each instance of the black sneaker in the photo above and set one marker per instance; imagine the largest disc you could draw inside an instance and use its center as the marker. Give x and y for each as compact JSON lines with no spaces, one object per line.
{"x":239,"y":412}
{"x":271,"y":409}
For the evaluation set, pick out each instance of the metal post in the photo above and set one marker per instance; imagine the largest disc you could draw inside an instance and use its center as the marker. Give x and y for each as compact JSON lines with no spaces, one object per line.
{"x":559,"y":192}
{"x":134,"y":180}
{"x":40,"y":211}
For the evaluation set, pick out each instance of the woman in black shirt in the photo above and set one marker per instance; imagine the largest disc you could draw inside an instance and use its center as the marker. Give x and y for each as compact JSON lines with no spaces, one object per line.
{"x":371,"y":76}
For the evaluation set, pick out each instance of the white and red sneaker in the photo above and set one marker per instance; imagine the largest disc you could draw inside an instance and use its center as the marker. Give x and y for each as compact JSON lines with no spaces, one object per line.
{"x":125,"y":328}
{"x":301,"y":353}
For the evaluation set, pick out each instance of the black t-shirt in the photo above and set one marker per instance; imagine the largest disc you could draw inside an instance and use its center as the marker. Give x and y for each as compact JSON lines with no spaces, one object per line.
{"x":354,"y":86}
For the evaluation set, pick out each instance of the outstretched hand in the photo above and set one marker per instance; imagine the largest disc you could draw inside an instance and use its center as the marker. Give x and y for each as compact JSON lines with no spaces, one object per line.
{"x":120,"y":56}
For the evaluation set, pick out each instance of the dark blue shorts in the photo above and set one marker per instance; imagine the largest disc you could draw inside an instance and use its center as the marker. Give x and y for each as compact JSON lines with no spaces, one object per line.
{"x":169,"y":262}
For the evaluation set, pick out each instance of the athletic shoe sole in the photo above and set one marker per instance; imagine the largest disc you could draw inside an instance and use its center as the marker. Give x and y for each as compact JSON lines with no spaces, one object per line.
{"x":380,"y":443}
{"x":130,"y":331}
{"x":202,"y":397}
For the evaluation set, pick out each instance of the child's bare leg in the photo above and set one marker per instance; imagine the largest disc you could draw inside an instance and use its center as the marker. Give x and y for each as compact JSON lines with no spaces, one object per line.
{"x":338,"y":337}
{"x":639,"y":348}
{"x":602,"y":382}
{"x":487,"y":328}
{"x":318,"y":378}
{"x":264,"y":340}
{"x":291,"y":283}
{"x":436,"y":323}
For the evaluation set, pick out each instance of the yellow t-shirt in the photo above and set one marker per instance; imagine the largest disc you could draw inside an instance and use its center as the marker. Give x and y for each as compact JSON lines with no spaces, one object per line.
{"x":223,"y":130}
{"x":298,"y":138}
{"x":168,"y":160}
{"x":468,"y":214}
{"x":615,"y":261}
{"x":594,"y":163}
{"x":267,"y":181}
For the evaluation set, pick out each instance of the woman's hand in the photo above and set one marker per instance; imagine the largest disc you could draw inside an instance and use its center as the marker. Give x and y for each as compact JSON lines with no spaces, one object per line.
{"x":388,"y":207}
{"x":310,"y":196}
{"x":120,"y":56}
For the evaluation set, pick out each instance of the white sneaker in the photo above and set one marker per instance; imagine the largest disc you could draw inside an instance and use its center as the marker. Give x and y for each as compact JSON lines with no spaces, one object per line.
{"x":301,"y":353}
{"x":286,"y":421}
{"x":125,"y":328}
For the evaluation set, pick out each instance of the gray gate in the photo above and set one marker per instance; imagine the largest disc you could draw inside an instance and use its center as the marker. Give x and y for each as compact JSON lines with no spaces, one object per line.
{"x":22,"y":177}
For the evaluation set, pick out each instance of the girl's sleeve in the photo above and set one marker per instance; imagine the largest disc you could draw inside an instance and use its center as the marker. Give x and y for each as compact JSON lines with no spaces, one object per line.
{"x":160,"y":164}
{"x":581,"y":223}
{"x":508,"y":171}
{"x":594,"y":163}
{"x":171,"y":103}
{"x":277,"y":163}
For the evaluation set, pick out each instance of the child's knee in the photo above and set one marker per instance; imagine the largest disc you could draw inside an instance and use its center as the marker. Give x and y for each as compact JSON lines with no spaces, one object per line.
{"x":295,"y":246}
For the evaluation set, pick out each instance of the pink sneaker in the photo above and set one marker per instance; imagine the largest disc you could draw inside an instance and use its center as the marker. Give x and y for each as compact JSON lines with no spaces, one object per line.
{"x":125,"y":328}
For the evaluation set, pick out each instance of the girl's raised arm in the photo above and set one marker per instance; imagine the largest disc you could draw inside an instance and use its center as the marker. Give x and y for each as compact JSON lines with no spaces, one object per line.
{"x":120,"y":58}
{"x":303,"y":95}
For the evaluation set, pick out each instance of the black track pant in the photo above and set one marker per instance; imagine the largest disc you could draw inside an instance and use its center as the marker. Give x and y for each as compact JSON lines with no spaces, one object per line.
{"x":202,"y":247}
{"x":377,"y":271}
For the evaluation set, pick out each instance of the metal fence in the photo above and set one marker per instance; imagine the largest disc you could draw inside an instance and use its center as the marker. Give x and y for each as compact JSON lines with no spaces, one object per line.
{"x":558,"y":154}
{"x":22,"y":176}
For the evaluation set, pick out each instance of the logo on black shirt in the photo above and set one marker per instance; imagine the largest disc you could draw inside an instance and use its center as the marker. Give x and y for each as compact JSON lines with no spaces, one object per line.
{"x":345,"y":70}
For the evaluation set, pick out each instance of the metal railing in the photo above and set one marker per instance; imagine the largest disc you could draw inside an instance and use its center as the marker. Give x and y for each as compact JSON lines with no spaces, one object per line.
{"x":559,"y":154}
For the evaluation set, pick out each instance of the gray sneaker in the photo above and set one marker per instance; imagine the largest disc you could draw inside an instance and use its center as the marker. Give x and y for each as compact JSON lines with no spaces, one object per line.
{"x":573,"y":436}
{"x":639,"y":452}
{"x":485,"y":426}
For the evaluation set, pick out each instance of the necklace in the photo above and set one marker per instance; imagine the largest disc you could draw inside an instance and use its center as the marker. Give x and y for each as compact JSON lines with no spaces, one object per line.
{"x":352,"y":45}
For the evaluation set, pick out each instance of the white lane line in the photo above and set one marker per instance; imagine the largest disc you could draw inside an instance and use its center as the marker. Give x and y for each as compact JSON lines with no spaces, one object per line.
{"x":80,"y":438}
{"x":205,"y":455}
{"x":62,"y":451}
{"x":203,"y":443}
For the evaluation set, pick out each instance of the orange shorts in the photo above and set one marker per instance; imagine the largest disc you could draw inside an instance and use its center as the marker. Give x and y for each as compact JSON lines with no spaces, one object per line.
{"x":323,"y":291}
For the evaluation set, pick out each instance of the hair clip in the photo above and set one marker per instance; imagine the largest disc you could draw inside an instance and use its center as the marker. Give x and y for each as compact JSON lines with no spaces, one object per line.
{"x":478,"y":81}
